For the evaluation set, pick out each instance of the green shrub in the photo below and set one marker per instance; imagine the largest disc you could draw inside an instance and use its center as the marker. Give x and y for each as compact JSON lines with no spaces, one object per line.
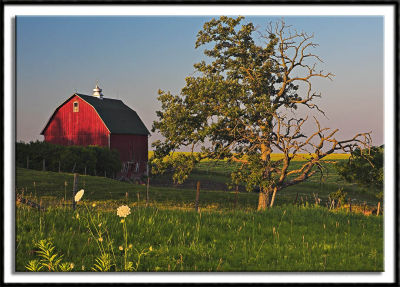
{"x":365,"y":167}
{"x":93,"y":159}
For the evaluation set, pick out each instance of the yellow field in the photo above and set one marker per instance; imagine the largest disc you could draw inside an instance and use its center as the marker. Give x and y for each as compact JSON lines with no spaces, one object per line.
{"x":299,"y":157}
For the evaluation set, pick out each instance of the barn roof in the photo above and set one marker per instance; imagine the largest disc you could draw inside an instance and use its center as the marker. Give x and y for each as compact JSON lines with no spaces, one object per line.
{"x":118,"y":117}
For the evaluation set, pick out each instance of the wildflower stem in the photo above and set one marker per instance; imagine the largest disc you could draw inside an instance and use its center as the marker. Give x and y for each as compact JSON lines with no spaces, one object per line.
{"x":126,"y":244}
{"x":101,"y":247}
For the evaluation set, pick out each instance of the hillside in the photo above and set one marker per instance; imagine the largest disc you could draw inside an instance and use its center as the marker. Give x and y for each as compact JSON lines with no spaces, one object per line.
{"x":213,"y":179}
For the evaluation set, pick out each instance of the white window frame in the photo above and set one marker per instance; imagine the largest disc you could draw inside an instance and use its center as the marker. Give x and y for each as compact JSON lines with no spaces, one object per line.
{"x":75,"y":107}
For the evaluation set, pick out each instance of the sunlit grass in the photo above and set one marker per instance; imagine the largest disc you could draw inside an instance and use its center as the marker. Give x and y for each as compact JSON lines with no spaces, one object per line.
{"x":227,"y":235}
{"x":286,"y":238}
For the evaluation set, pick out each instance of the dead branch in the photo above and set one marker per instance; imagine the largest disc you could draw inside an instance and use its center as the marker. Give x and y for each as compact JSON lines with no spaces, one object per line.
{"x":318,"y":145}
{"x":292,"y":50}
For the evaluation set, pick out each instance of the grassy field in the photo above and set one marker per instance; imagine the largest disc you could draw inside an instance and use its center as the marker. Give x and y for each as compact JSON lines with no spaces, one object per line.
{"x":216,"y":175}
{"x":168,"y":235}
{"x":52,"y":186}
{"x":285,"y":238}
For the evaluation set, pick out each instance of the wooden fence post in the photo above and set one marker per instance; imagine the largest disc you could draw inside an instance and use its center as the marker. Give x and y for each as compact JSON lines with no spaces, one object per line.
{"x":379,"y":208}
{"x":350,"y":204}
{"x":59,"y":166}
{"x":44,"y":165}
{"x":75,"y":189}
{"x":236,"y":195}
{"x":34,"y":187}
{"x":65,"y":192}
{"x":196,"y":204}
{"x":316,"y":198}
{"x":147,"y":191}
{"x":332,"y":204}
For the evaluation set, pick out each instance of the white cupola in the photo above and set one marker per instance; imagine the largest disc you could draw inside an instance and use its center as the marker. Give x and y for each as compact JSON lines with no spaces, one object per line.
{"x":97,"y":92}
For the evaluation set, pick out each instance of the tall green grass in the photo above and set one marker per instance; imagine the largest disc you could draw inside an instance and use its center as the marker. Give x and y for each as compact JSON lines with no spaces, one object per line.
{"x":228,"y":234}
{"x":285,"y":238}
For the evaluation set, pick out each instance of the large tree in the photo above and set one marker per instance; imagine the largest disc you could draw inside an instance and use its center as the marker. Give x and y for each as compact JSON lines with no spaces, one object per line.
{"x":239,"y":105}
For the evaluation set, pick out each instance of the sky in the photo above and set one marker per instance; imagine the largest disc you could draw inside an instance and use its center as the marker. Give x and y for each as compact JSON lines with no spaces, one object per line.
{"x":133,"y":57}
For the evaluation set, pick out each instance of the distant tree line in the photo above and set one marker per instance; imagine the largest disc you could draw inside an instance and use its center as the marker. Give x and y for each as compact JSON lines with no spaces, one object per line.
{"x":92,"y":160}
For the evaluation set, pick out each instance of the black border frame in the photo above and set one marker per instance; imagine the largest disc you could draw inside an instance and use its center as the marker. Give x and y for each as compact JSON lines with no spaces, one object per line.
{"x":229,"y":2}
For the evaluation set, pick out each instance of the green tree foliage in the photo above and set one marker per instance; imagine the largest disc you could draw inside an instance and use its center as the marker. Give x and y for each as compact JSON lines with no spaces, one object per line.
{"x":96,"y":160}
{"x":107,"y":160}
{"x":365,"y":167}
{"x":239,"y":106}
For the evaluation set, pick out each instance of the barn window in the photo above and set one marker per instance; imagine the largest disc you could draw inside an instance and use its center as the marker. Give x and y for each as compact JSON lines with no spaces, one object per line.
{"x":76,"y":107}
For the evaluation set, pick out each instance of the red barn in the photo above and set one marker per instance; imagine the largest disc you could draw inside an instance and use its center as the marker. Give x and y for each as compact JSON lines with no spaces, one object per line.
{"x":94,"y":120}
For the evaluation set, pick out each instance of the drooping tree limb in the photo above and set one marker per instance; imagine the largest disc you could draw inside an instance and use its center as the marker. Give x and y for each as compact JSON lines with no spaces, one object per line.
{"x":315,"y":143}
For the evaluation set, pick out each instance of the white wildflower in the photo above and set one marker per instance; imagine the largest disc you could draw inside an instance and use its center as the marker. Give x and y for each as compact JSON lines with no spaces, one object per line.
{"x":123,"y":211}
{"x":79,"y":195}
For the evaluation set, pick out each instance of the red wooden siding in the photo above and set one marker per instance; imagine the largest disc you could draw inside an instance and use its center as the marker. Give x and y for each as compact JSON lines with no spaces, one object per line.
{"x":76,"y":128}
{"x":132,"y":148}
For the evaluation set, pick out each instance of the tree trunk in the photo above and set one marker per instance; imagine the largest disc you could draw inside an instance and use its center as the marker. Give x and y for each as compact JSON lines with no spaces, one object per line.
{"x":273,"y":196}
{"x":262,"y":196}
{"x":263,"y":199}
